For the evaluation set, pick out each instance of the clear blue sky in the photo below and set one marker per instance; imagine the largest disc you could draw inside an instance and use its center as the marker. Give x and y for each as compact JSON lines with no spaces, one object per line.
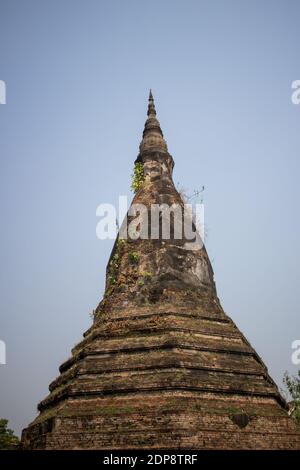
{"x":78,"y":75}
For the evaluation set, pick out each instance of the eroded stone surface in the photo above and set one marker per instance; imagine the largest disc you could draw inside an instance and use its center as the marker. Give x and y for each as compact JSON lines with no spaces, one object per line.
{"x":162,"y":366}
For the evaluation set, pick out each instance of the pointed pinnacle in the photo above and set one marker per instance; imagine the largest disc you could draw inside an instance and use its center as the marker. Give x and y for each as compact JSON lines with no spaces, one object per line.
{"x":151,"y":106}
{"x":152,"y":135}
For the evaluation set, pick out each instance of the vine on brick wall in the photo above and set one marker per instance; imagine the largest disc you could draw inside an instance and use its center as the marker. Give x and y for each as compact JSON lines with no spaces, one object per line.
{"x":137,"y":177}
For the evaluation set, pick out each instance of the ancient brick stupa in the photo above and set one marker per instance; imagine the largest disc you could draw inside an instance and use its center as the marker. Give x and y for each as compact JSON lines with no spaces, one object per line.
{"x":162,"y":366}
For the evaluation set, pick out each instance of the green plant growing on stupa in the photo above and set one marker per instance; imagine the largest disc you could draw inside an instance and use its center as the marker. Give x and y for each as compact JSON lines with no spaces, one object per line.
{"x":137,"y":177}
{"x":114,"y":264}
{"x":133,"y":257}
{"x":146,"y":275}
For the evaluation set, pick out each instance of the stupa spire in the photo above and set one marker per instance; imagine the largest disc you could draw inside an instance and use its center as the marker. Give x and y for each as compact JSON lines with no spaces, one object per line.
{"x":153,"y":138}
{"x":151,"y":105}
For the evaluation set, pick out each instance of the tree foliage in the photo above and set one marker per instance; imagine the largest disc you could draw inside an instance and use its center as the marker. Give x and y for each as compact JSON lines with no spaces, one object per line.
{"x":292,"y":384}
{"x":8,"y":441}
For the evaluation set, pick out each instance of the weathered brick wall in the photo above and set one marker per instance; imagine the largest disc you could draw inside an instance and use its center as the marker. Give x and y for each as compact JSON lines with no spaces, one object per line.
{"x":166,"y":420}
{"x":162,"y":366}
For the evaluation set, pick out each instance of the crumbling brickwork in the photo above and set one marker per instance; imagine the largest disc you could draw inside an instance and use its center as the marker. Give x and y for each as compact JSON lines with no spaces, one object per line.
{"x":162,"y":366}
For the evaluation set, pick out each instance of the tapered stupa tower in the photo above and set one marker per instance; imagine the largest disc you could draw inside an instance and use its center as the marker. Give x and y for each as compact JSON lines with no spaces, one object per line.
{"x":162,"y":366}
